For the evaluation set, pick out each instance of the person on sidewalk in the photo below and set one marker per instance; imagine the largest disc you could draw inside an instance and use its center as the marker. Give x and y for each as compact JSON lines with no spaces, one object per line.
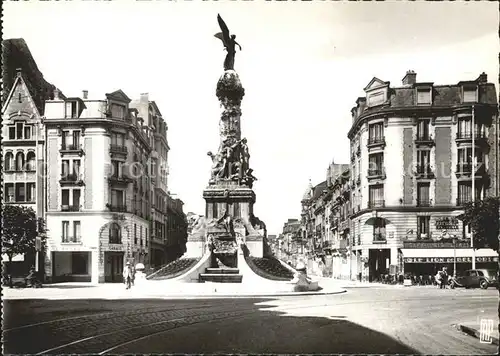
{"x":127,"y":275}
{"x":443,"y":278}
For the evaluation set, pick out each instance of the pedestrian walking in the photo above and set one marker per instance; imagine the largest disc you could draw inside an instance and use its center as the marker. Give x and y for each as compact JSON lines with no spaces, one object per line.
{"x":127,"y":275}
{"x":442,"y":278}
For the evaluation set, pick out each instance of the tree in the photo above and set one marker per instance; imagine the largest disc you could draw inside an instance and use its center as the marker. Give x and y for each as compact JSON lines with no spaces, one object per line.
{"x":483,"y":217}
{"x":20,"y":230}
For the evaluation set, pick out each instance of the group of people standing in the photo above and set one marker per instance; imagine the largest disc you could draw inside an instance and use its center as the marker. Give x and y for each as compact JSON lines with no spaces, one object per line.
{"x":442,"y":278}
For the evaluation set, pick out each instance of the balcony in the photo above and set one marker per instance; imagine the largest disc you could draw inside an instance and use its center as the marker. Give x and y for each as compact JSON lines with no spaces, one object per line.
{"x":464,"y":169}
{"x":74,"y":207}
{"x":423,"y":202}
{"x":379,"y":238}
{"x":463,"y":200}
{"x":377,"y":173}
{"x":376,"y":204}
{"x":118,"y":149}
{"x":376,"y":142}
{"x":479,"y":136}
{"x":72,"y":149}
{"x":118,"y":208}
{"x":115,"y":179}
{"x":424,"y":140}
{"x":71,"y":239}
{"x":71,"y":179}
{"x":423,"y":171}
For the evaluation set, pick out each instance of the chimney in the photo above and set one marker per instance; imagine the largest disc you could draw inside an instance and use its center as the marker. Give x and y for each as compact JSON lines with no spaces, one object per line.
{"x":56,"y":94}
{"x":361,"y":103}
{"x":144,"y":97}
{"x":85,"y":94}
{"x":410,"y":78}
{"x":483,"y":78}
{"x":18,"y":71}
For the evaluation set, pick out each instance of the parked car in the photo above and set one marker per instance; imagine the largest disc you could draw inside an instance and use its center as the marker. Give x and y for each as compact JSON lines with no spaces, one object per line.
{"x":483,"y":278}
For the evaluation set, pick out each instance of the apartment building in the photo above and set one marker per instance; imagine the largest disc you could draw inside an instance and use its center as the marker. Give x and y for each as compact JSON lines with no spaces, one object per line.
{"x":98,"y":187}
{"x":419,"y":151}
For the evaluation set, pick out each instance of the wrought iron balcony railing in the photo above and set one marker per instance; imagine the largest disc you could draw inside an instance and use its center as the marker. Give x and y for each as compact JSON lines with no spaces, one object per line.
{"x":113,"y":148}
{"x":376,"y":203}
{"x":74,"y":207}
{"x":376,"y":141}
{"x":76,"y":239}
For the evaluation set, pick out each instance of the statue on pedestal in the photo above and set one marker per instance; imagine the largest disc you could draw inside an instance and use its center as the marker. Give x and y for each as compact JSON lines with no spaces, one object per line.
{"x":229,"y":42}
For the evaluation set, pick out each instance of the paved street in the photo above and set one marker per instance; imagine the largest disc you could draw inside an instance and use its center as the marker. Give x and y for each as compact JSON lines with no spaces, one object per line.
{"x":363,"y":320}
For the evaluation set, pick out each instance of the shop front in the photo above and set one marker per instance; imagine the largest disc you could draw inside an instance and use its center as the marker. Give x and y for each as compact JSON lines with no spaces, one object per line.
{"x":427,"y":262}
{"x":71,"y":266}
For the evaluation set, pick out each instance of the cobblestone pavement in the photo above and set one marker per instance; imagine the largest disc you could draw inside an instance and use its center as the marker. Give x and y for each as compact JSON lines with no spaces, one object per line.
{"x":377,"y":320}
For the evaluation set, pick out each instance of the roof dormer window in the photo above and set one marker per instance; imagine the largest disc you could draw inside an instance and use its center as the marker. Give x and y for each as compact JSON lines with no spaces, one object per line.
{"x":470,"y":94}
{"x":377,"y":98}
{"x":424,"y":96}
{"x":71,"y":109}
{"x":117,"y":111}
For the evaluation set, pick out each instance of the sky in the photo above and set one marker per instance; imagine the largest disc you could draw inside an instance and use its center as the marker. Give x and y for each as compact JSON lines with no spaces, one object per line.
{"x":303,"y":65}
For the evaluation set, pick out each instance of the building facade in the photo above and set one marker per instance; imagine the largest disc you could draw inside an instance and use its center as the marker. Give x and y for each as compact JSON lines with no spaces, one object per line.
{"x":414,"y":165}
{"x":23,"y":144}
{"x":288,"y":244}
{"x":101,"y":201}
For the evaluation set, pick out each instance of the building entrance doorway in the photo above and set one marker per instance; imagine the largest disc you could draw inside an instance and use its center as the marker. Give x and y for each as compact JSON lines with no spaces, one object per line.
{"x":113,"y":268}
{"x":378,"y":263}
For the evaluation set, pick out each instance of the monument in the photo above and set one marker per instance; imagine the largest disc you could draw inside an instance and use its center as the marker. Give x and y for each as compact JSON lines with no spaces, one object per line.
{"x":229,"y":217}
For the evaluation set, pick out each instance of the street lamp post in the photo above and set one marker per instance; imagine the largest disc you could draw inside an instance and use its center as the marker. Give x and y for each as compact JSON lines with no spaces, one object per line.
{"x":454,"y":257}
{"x":37,"y":201}
{"x":473,"y":182}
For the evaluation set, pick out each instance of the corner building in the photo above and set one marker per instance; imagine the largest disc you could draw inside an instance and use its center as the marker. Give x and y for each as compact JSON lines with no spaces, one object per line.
{"x":98,"y":188}
{"x":412,"y":170}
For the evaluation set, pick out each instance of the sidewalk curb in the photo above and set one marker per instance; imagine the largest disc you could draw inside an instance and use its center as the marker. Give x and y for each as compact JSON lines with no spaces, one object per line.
{"x":185,"y":296}
{"x":473,"y":332}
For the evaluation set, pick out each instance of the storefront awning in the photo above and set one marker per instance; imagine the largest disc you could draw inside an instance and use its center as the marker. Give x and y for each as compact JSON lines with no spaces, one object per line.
{"x":446,"y":252}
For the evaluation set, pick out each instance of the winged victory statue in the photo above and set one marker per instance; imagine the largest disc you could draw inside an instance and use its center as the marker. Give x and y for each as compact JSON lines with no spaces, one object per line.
{"x":229,"y":42}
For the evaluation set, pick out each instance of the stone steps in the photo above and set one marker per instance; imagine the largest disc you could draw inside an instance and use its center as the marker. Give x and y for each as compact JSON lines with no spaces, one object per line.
{"x":221,"y":275}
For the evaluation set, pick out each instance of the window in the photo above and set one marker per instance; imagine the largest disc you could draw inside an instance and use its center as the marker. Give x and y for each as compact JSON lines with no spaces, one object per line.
{"x":117,"y":198}
{"x":76,"y":198}
{"x":423,"y":161}
{"x":376,"y":196}
{"x":423,"y":130}
{"x":379,"y":229}
{"x":65,"y":199}
{"x":135,"y":234}
{"x":19,"y":130}
{"x":423,"y":226}
{"x":464,"y":192}
{"x":9,"y":161}
{"x":30,"y":192}
{"x":465,"y":128}
{"x":140,"y":234}
{"x":424,"y":96}
{"x":423,"y":198}
{"x":27,"y":132}
{"x":146,"y":238}
{"x":77,"y":231}
{"x":65,"y":143}
{"x":9,"y":192}
{"x":12,"y":132}
{"x":117,"y":111}
{"x":76,"y":139}
{"x":116,"y":168}
{"x":467,"y":230}
{"x":376,"y":163}
{"x":71,"y":109}
{"x":30,"y":158}
{"x":465,"y":155}
{"x":20,"y":192}
{"x":115,"y":234}
{"x":19,"y":161}
{"x":470,"y":95}
{"x":65,"y":168}
{"x":65,"y":231}
{"x":376,"y":133}
{"x":76,"y":167}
